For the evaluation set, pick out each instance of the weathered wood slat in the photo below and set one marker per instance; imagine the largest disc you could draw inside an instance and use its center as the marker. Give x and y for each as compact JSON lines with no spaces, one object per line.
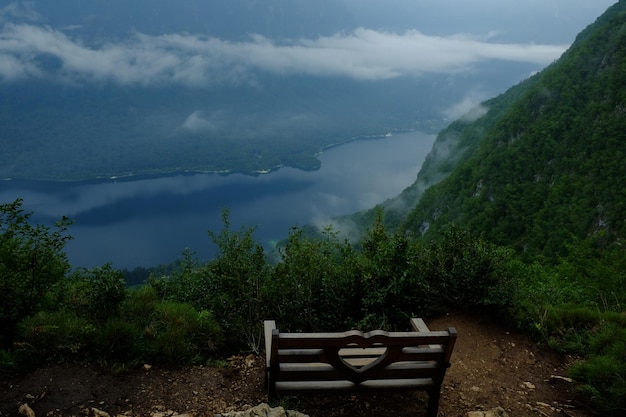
{"x":419,"y":325}
{"x":268,"y":326}
{"x":362,"y":352}
{"x":318,"y":340}
{"x":326,"y":372}
{"x":377,"y":385}
{"x":319,"y":355}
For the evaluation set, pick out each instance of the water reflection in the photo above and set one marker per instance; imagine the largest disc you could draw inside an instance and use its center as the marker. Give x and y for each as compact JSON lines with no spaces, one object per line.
{"x":150,"y":221}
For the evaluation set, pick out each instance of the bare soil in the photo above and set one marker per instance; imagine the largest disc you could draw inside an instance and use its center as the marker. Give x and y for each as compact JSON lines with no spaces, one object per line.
{"x":492,"y":366}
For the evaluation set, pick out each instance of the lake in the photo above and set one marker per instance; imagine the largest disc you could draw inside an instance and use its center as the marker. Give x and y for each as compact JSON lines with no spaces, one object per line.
{"x":147,"y":222}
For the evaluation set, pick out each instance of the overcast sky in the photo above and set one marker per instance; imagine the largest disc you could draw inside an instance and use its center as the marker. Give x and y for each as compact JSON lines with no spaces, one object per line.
{"x":538,"y":21}
{"x":395,"y":38}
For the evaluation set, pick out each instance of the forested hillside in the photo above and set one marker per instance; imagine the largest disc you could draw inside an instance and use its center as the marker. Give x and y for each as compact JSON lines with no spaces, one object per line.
{"x":454,"y":145}
{"x":546,"y":162}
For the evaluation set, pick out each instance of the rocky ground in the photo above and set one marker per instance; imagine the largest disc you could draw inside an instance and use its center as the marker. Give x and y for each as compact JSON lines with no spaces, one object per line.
{"x":492,"y":366}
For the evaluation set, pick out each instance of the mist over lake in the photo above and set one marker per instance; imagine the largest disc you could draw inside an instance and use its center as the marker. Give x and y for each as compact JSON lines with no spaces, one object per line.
{"x":147,"y":222}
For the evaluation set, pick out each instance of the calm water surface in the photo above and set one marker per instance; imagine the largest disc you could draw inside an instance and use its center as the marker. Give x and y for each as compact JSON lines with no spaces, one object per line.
{"x":147,"y":222}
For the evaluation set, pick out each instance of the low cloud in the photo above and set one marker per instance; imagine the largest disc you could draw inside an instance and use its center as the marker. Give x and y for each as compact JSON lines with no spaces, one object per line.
{"x":23,"y":11}
{"x":196,"y":123}
{"x":193,"y":60}
{"x":468,"y":109}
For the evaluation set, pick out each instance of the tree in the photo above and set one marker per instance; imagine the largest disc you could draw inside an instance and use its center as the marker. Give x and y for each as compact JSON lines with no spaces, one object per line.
{"x":95,"y":293}
{"x":31,"y":261}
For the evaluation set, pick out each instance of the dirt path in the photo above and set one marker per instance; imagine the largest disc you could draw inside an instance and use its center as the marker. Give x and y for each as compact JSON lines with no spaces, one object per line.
{"x":491,"y":366}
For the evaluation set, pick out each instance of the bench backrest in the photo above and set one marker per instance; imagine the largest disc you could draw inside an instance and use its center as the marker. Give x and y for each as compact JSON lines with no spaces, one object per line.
{"x":357,"y":357}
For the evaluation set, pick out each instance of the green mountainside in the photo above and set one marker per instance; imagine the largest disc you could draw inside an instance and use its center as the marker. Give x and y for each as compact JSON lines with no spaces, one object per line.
{"x":454,"y":145}
{"x":545,"y":164}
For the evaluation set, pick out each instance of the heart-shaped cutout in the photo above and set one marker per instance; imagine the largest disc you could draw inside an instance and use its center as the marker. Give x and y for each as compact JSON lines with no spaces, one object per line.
{"x":358,"y":364}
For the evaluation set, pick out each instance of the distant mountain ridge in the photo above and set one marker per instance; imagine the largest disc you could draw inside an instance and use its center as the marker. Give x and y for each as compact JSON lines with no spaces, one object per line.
{"x":546,"y":163}
{"x":230,"y":19}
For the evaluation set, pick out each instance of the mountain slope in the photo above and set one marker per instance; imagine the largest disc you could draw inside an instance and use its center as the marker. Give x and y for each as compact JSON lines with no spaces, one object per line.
{"x":454,"y":145}
{"x":551,"y":166}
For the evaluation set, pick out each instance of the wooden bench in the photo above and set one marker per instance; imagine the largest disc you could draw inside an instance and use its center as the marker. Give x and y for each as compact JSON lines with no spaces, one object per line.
{"x":356,"y":361}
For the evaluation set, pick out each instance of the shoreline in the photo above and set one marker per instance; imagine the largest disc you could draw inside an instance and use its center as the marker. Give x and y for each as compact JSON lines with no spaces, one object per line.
{"x":190,"y":172}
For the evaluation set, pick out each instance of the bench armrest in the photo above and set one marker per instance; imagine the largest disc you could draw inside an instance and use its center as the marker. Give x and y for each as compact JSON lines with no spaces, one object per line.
{"x":419,"y":325}
{"x":268,"y":325}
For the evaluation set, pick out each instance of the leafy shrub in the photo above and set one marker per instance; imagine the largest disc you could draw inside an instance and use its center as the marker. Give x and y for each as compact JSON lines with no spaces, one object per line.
{"x":574,"y":305}
{"x":209,"y":336}
{"x":566,"y":328}
{"x":596,"y":270}
{"x":465,"y":271}
{"x":11,"y":361}
{"x":314,"y":286}
{"x":31,"y":261}
{"x":180,"y":334}
{"x":602,"y":376}
{"x":229,"y":286}
{"x":119,"y":341}
{"x":59,"y":334}
{"x":383,"y":274}
{"x":139,"y":304}
{"x":235,"y":281}
{"x":96,"y":293}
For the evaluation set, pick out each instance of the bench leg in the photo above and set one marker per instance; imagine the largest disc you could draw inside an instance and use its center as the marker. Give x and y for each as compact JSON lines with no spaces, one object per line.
{"x":271,"y":388}
{"x":433,"y":403}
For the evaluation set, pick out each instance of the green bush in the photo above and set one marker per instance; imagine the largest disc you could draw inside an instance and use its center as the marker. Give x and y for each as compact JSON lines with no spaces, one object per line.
{"x":179,"y":334}
{"x":159,"y":332}
{"x":602,"y":380}
{"x":58,"y":334}
{"x":119,"y":341}
{"x":236,"y":279}
{"x":596,"y":271}
{"x":385,"y":275}
{"x":314,"y":287}
{"x":139,"y":305}
{"x":230,"y":286}
{"x":11,"y":361}
{"x":31,"y":261}
{"x":566,"y":328}
{"x":461,"y":271}
{"x":97,"y":292}
{"x":566,"y":306}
